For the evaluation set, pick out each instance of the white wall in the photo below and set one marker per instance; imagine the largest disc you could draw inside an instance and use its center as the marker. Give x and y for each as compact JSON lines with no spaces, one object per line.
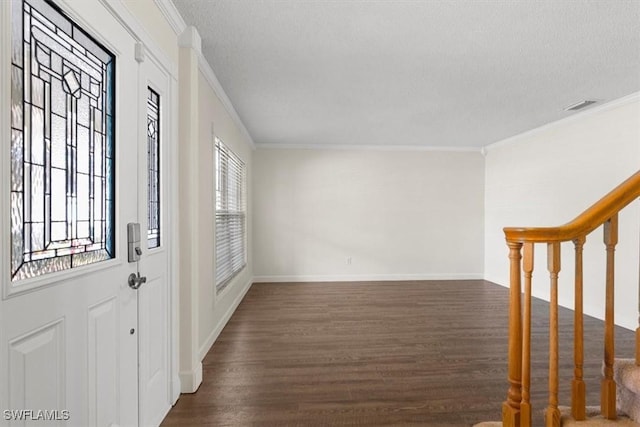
{"x":214,"y":310}
{"x":547,"y":177}
{"x":155,"y":25}
{"x":396,"y":214}
{"x":203,"y":114}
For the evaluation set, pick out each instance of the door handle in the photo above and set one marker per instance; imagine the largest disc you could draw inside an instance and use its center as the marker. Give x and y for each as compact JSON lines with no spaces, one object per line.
{"x":136,"y":280}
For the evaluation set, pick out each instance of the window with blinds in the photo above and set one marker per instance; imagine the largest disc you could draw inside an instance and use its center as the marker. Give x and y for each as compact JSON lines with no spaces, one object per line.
{"x":230,"y":215}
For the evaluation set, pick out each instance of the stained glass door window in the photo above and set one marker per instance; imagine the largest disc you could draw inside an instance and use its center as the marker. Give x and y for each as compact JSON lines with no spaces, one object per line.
{"x":153,"y":160}
{"x":62,"y":143}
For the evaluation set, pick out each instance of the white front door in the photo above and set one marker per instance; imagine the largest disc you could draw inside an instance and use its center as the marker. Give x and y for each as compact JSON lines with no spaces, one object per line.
{"x":68,"y":319}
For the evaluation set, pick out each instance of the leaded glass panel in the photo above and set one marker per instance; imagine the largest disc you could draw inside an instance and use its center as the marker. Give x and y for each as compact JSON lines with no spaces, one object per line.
{"x":62,"y":147}
{"x":153,"y":176}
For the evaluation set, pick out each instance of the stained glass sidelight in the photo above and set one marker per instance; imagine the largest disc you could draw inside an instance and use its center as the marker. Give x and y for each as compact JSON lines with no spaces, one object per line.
{"x":153,"y":159}
{"x":62,"y":143}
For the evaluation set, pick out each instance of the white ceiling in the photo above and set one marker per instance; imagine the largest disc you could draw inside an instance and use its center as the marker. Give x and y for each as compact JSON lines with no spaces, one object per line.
{"x":456,"y":73}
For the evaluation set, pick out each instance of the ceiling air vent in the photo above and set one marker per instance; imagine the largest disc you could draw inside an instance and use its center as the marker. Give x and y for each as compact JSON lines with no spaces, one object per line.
{"x":580,"y":105}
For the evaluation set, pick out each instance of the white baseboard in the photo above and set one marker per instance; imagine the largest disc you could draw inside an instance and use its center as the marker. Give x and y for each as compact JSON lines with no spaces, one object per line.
{"x":191,"y":380}
{"x":204,"y":349}
{"x":366,"y":277}
{"x":176,"y":389}
{"x":625,"y":320}
{"x":496,"y":280}
{"x":629,"y":322}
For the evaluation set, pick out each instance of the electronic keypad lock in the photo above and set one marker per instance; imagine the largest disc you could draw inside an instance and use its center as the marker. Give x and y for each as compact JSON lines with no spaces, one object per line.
{"x":133,"y":241}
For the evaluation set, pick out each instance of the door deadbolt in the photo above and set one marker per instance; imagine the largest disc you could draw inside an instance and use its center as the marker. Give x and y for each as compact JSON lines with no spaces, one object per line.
{"x":134,"y":251}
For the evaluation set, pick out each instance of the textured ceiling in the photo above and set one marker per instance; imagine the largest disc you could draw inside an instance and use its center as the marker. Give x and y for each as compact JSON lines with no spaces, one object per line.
{"x":456,"y":73}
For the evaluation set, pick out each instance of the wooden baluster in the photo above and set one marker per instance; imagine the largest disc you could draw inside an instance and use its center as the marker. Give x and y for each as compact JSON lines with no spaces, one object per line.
{"x":638,"y":332}
{"x":552,"y":414}
{"x":638,"y":346}
{"x":525,"y":405}
{"x":511,"y":407}
{"x":608,"y":391}
{"x":578,"y":389}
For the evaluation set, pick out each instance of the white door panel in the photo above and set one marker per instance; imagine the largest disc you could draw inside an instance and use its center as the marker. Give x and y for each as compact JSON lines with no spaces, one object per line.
{"x":102,"y":363}
{"x":154,"y":296}
{"x":36,"y":361}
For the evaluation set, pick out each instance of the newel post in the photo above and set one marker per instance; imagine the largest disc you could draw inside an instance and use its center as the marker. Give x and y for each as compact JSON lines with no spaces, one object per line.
{"x":511,"y":407}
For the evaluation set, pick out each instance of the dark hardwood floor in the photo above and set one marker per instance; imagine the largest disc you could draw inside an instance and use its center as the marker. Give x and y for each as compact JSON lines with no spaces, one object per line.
{"x":384,"y":353}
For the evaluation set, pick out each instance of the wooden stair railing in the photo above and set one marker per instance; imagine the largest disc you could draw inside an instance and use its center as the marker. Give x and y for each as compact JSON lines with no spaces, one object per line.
{"x":516,"y":410}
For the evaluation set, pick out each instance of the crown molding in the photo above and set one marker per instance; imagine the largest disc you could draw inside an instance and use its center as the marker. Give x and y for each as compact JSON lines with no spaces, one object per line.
{"x":172,"y":15}
{"x":213,"y":81}
{"x":366,"y":147}
{"x":616,"y":103}
{"x":189,"y":37}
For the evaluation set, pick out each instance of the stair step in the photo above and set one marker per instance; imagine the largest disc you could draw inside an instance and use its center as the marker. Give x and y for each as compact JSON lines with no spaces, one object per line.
{"x":594,"y":419}
{"x":627,"y":373}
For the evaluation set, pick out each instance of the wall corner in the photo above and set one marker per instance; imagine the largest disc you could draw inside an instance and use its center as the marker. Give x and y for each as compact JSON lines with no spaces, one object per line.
{"x":190,"y":38}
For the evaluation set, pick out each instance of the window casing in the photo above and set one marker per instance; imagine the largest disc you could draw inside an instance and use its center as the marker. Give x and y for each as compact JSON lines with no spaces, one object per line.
{"x":230,"y":215}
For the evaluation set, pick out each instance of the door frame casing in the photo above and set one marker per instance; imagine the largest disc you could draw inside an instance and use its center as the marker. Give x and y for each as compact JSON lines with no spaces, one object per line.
{"x":5,"y":177}
{"x":151,"y":48}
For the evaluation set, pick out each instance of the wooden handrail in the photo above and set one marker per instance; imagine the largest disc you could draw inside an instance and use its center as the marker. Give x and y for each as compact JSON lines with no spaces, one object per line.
{"x":516,"y":409}
{"x":586,"y":222}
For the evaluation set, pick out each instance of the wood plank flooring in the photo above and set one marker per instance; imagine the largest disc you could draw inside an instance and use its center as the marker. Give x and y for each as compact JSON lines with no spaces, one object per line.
{"x":429,"y":353}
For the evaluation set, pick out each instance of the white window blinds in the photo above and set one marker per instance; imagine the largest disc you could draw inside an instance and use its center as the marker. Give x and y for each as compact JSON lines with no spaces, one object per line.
{"x":230,"y":215}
